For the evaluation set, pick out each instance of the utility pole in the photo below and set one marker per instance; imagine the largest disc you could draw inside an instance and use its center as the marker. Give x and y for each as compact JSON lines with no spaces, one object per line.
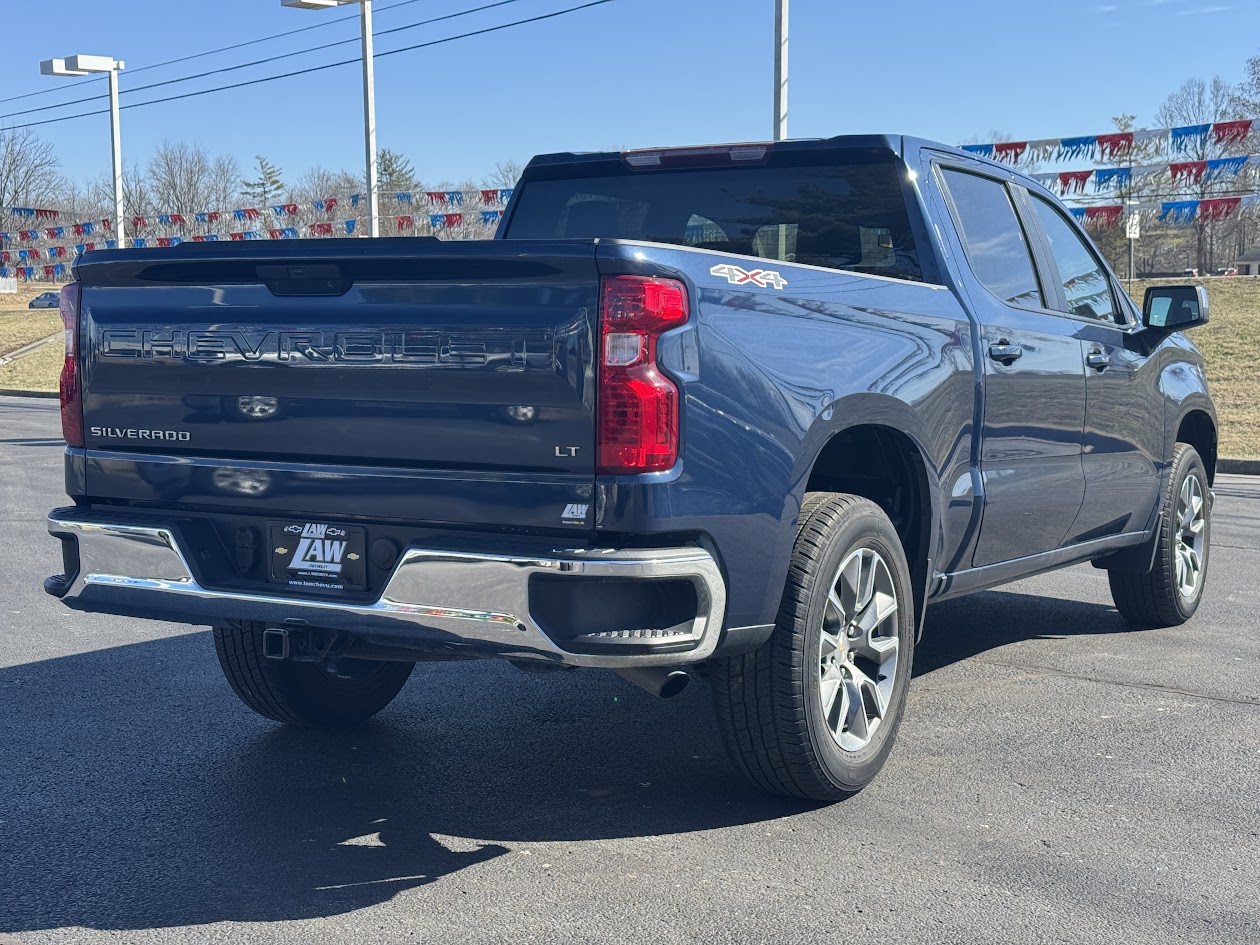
{"x":369,"y":118}
{"x":115,"y":131}
{"x":780,"y":68}
{"x":369,"y":96}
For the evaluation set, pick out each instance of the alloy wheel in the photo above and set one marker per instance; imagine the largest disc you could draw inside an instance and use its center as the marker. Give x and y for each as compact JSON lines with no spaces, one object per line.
{"x":858,"y":649}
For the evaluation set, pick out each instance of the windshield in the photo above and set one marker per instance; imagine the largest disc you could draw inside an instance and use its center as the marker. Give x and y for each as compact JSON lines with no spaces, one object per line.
{"x":840,"y":215}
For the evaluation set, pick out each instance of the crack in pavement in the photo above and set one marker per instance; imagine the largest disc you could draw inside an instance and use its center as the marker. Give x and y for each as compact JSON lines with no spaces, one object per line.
{"x":1152,"y":687}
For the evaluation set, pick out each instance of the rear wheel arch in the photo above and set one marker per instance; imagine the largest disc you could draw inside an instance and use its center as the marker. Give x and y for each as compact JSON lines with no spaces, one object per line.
{"x":888,"y":466}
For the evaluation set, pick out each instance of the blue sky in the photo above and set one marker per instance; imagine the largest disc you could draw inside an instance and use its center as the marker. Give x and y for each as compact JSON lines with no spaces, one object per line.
{"x":630,"y":73}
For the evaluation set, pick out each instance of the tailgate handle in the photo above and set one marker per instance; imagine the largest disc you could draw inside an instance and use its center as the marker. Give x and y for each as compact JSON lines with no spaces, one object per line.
{"x":319,"y":279}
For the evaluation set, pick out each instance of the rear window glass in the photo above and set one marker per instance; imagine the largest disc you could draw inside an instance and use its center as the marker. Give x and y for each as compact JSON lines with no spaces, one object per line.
{"x":994,"y":239}
{"x":848,"y":216}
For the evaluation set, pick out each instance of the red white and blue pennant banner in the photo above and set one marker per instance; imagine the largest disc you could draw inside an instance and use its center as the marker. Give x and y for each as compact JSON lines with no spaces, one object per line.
{"x":1209,"y":209}
{"x":1116,"y":145}
{"x":490,"y":202}
{"x":1117,"y":178}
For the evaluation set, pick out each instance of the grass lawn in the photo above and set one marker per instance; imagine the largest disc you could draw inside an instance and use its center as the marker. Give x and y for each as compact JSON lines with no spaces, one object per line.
{"x":40,"y":370}
{"x":1230,"y":343}
{"x":20,"y":326}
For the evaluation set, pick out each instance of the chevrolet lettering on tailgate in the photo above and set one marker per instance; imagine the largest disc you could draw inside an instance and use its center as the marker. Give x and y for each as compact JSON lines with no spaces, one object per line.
{"x":347,"y":346}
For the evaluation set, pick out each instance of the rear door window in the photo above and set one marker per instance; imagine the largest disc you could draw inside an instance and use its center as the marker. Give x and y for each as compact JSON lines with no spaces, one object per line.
{"x":1085,"y":284}
{"x":993,"y":238}
{"x":846,"y":215}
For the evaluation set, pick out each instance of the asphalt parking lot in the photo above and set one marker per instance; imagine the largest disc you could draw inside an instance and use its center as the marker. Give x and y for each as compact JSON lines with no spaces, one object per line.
{"x":1060,"y":778}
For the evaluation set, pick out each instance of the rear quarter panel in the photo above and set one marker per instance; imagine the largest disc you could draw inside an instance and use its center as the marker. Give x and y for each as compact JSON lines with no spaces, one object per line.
{"x":768,"y":377}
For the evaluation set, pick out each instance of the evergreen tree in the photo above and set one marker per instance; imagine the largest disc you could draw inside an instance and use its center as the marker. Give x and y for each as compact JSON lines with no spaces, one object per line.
{"x":267,"y":187}
{"x":394,"y":172}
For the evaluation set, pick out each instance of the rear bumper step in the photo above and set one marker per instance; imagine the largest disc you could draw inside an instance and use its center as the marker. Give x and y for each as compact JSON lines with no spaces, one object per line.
{"x":436,"y":601}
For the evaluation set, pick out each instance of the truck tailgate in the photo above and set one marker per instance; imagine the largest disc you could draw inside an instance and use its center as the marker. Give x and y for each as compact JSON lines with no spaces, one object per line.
{"x":405,"y":369}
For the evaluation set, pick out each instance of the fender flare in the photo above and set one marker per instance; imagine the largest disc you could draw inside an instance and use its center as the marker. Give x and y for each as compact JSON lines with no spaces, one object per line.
{"x":866,"y":409}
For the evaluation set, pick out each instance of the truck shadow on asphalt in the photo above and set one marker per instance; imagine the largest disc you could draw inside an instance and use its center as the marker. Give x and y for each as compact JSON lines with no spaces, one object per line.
{"x":135,"y":792}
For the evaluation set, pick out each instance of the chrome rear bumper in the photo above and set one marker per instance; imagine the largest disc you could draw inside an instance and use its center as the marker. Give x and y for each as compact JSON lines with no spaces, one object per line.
{"x":457,"y":602}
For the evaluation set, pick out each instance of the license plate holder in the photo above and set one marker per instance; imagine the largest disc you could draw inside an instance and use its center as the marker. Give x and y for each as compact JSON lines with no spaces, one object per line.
{"x":317,"y":555}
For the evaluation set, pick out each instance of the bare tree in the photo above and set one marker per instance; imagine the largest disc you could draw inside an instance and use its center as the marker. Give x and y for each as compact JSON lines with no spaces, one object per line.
{"x":98,"y":197}
{"x":1200,"y":102}
{"x":1247,"y":94}
{"x":223,"y":183}
{"x":30,"y":173}
{"x":505,"y":174}
{"x":179,"y":175}
{"x":318,"y":183}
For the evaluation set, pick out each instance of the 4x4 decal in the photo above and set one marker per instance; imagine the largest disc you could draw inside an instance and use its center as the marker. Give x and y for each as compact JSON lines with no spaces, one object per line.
{"x":762,"y":278}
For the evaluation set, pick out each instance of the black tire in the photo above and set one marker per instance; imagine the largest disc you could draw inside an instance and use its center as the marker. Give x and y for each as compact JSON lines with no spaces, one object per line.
{"x":770,"y":701}
{"x":314,"y":695}
{"x":1155,"y":598}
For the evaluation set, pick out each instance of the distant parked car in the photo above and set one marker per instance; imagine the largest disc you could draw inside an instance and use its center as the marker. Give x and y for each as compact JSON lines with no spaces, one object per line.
{"x":1228,"y":271}
{"x":47,"y":300}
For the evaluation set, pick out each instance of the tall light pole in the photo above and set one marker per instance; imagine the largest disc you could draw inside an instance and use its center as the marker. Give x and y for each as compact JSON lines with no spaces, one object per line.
{"x":780,"y":68}
{"x":369,"y":93}
{"x":86,"y":65}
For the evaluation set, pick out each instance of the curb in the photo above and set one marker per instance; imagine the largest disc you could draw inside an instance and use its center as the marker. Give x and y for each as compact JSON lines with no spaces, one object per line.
{"x":49,"y":394}
{"x":1239,"y":467}
{"x":26,"y":349}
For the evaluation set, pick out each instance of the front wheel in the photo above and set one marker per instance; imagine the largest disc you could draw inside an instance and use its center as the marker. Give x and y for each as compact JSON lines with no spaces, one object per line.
{"x":1169,"y":594}
{"x":814,"y":712}
{"x":316,"y":695}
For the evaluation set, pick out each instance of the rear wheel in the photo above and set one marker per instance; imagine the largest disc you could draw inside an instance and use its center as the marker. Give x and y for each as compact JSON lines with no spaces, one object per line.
{"x":318,"y":695}
{"x":814,"y":712}
{"x":1170,"y":592}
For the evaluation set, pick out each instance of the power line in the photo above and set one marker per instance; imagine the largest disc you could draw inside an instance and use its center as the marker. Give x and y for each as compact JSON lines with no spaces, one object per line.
{"x":261,"y":62}
{"x":328,"y":21}
{"x":330,"y":65}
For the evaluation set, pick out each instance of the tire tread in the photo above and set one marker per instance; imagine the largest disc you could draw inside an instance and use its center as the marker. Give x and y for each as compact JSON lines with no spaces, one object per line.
{"x":760,"y":697}
{"x":1151,"y":598}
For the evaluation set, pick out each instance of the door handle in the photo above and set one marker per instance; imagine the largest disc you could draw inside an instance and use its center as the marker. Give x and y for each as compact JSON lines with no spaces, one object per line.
{"x":1005,"y":352}
{"x":1098,"y":360}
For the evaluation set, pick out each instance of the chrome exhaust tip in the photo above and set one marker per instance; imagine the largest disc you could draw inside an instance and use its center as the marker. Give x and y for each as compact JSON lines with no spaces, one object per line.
{"x":661,"y":681}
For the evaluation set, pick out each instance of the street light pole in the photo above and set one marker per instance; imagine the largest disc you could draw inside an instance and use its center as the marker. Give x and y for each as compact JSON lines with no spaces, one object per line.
{"x":115,"y":131}
{"x":87,"y":65}
{"x":369,"y":117}
{"x":780,"y":68}
{"x":369,"y":96}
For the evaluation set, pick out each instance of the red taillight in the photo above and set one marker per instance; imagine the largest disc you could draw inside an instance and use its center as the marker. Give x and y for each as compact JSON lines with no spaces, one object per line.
{"x":71,"y":389}
{"x":638,"y":406}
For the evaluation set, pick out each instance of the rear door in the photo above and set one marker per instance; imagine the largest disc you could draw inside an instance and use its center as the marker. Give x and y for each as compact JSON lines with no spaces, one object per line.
{"x":1123,"y":434}
{"x":1034,"y":378}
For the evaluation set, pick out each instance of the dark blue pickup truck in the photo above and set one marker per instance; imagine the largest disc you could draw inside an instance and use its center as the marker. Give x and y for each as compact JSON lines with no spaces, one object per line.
{"x":740,"y":411}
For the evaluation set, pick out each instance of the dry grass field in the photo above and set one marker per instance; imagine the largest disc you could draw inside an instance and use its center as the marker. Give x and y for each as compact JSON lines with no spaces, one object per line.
{"x":40,"y":370}
{"x":1231,"y":344}
{"x":20,"y":326}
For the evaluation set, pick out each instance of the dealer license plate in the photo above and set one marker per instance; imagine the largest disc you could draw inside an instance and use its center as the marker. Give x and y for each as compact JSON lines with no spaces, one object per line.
{"x":318,"y":556}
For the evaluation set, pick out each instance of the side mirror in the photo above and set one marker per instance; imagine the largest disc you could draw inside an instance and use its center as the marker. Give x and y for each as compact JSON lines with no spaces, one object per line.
{"x":1175,"y":307}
